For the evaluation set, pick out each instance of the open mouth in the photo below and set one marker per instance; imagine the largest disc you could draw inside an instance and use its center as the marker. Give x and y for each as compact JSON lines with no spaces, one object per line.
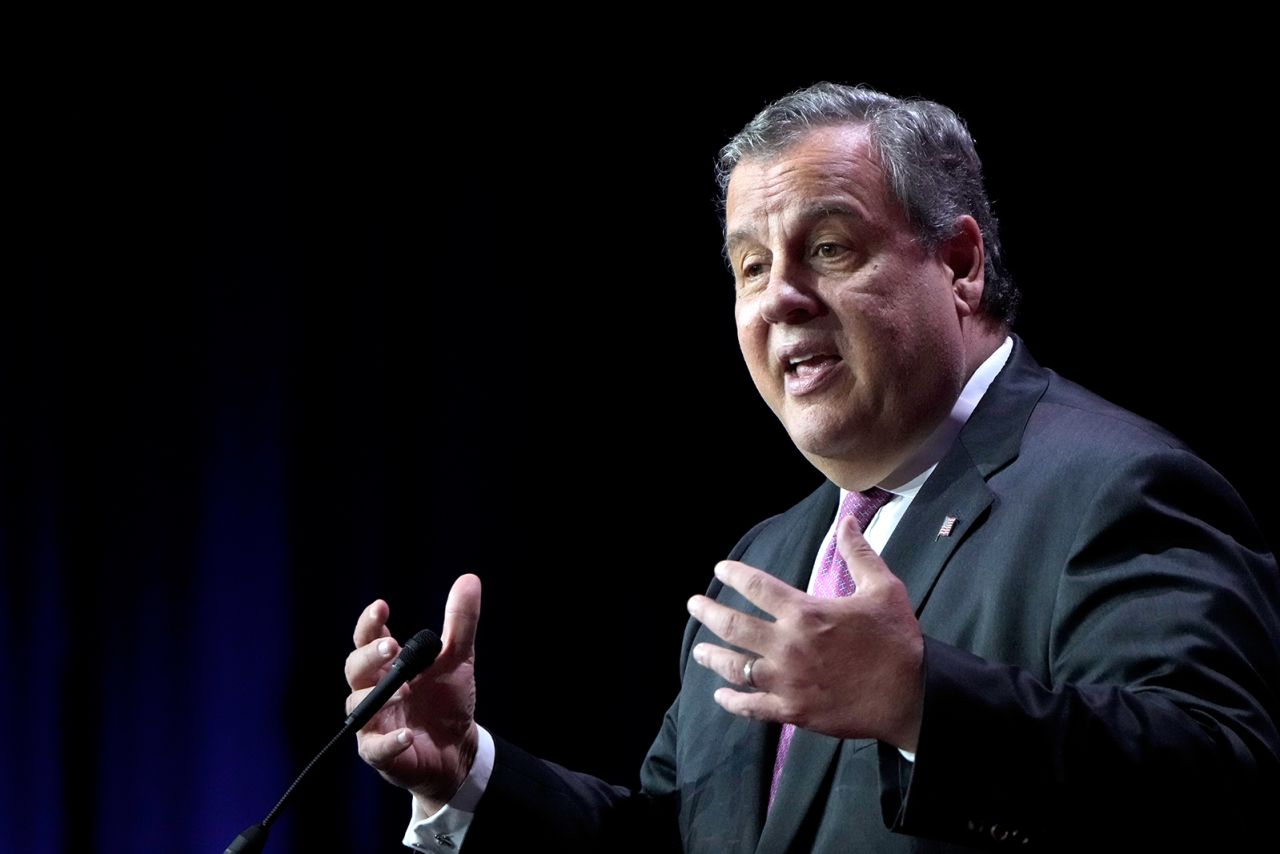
{"x":805,"y":366}
{"x":810,"y":373}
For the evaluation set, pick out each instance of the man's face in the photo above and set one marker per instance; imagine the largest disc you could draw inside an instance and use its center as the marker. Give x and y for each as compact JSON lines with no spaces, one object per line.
{"x":850,"y":328}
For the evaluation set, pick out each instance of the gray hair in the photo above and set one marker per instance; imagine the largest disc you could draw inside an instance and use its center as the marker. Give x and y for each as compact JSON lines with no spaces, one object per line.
{"x":925,"y":150}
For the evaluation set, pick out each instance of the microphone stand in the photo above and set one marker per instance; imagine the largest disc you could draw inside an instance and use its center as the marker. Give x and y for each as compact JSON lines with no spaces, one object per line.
{"x":416,"y":656}
{"x":254,"y":837}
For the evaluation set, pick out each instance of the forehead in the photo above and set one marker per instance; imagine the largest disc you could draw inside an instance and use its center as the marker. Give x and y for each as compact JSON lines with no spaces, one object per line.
{"x":830,"y":168}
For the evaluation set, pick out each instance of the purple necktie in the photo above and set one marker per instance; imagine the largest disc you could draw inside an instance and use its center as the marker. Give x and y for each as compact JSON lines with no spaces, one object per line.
{"x":833,"y":581}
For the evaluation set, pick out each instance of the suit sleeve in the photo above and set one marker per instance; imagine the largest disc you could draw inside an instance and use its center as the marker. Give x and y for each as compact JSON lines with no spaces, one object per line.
{"x":1155,"y":715}
{"x":533,"y":804}
{"x":530,"y":802}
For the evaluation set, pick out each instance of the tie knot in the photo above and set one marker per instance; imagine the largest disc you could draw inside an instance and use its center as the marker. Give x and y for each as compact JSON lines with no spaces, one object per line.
{"x":863,"y":505}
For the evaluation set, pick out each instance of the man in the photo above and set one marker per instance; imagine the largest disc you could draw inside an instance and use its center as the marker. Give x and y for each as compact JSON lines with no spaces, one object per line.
{"x":1015,"y":615}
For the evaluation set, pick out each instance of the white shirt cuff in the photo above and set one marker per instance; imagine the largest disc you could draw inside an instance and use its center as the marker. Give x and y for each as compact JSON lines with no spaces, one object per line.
{"x":908,"y":755}
{"x":443,"y":832}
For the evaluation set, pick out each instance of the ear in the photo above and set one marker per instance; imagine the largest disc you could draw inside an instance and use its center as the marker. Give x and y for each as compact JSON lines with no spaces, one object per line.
{"x":964,"y":256}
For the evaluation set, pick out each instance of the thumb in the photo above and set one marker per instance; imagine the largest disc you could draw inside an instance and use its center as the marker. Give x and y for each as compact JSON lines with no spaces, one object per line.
{"x":461,"y":614}
{"x":865,"y":566}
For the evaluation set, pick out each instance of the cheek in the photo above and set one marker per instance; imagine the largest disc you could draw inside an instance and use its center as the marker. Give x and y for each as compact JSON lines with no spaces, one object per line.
{"x":753,"y":337}
{"x":755,"y":355}
{"x":874,"y":325}
{"x":753,"y":342}
{"x":883,"y":341}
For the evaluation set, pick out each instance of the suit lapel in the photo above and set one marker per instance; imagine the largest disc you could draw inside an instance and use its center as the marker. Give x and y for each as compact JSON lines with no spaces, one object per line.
{"x":955,"y":498}
{"x":793,"y":556}
{"x":935,"y":523}
{"x":950,"y":504}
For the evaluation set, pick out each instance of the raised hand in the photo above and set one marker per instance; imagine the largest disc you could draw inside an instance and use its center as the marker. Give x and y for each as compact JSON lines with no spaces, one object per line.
{"x":424,"y":739}
{"x":850,"y":667}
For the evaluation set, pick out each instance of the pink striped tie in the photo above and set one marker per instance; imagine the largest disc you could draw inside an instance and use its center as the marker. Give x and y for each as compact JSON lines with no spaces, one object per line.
{"x":833,"y":581}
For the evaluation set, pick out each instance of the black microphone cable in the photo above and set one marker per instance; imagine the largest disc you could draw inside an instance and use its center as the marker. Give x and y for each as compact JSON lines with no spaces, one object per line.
{"x":416,"y":656}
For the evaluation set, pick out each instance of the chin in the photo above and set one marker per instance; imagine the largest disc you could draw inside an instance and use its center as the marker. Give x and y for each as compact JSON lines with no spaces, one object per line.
{"x":825,"y":442}
{"x":841,"y":446}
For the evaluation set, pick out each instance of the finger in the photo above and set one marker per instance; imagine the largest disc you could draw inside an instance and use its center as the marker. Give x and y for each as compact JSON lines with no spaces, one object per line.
{"x":759,"y":706}
{"x":760,"y":588}
{"x":461,"y":616}
{"x":358,"y":696}
{"x":733,"y":626}
{"x":729,"y":665}
{"x":372,"y":624}
{"x":366,"y":665}
{"x":354,"y":699}
{"x":865,"y":566}
{"x":379,"y":749}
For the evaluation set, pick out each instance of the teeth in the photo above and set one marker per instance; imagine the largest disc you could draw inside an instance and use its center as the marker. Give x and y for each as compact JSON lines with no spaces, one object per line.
{"x":798,"y":359}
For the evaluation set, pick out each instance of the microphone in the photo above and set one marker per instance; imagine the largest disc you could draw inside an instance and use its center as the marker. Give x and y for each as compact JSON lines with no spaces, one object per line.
{"x":416,"y":656}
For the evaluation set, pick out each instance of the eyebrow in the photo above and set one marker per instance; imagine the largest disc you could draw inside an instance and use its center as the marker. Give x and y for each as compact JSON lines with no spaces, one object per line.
{"x":811,"y":212}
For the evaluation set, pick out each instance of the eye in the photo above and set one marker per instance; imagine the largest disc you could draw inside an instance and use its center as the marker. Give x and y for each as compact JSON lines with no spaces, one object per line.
{"x":828,"y":250}
{"x":753,"y":267}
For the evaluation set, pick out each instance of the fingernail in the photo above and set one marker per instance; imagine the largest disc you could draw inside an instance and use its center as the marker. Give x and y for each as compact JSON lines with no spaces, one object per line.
{"x":373,"y":614}
{"x":720,"y":570}
{"x":384,"y":648}
{"x":692,"y":605}
{"x":699,"y":655}
{"x":404,"y":737}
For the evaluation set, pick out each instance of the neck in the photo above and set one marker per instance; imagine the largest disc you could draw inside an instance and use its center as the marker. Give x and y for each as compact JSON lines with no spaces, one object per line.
{"x":856,"y":476}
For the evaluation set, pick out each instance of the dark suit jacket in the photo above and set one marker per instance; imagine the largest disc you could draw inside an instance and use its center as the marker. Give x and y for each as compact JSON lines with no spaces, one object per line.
{"x":1102,"y":666}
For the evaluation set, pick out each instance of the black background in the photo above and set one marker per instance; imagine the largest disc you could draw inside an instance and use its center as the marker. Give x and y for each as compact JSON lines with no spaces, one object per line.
{"x":368,"y":329}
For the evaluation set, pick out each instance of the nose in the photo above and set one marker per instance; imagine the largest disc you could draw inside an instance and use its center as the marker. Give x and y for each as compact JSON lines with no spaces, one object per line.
{"x":790,"y":296}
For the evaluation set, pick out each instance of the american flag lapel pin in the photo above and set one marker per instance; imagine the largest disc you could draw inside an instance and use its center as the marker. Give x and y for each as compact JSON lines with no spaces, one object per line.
{"x":945,"y":531}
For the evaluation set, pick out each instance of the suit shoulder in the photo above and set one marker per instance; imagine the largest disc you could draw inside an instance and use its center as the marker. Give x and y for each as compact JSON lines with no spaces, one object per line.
{"x":1077,"y":419}
{"x":1078,"y":447}
{"x":820,"y":503}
